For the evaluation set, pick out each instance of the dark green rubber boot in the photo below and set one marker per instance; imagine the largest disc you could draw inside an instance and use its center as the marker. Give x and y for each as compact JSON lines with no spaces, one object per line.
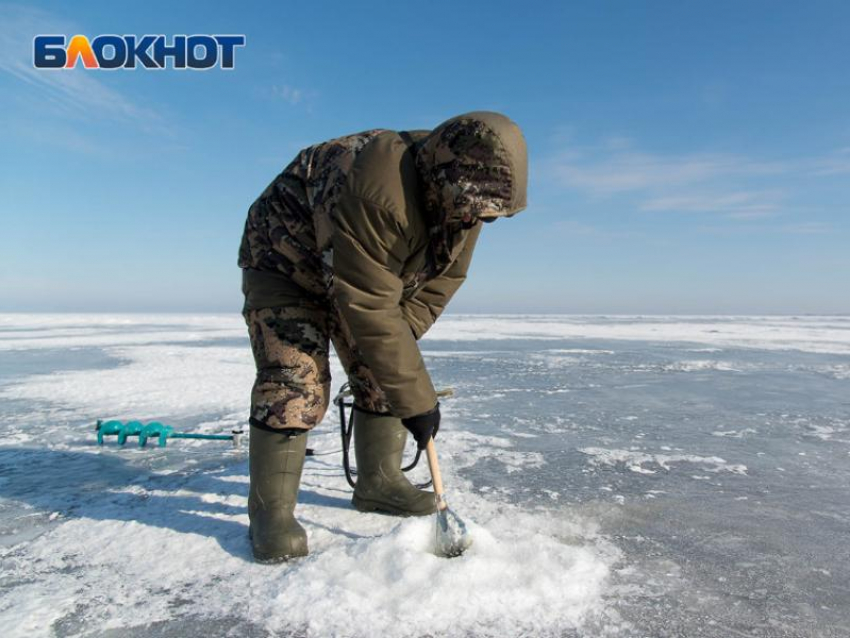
{"x":275,"y":461}
{"x":381,"y":485}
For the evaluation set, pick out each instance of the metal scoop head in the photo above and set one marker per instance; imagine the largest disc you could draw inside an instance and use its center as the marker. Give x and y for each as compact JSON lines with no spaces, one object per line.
{"x":451,"y":536}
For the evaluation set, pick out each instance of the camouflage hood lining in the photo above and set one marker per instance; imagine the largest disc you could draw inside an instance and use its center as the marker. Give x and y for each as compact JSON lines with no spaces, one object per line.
{"x":473,"y":164}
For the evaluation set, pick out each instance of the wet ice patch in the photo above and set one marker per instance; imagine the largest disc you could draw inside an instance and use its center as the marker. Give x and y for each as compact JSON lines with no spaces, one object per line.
{"x":838,"y":371}
{"x":691,"y":365}
{"x":552,"y":360}
{"x":643,"y":463}
{"x":579,"y":351}
{"x":825,"y":432}
{"x":735,"y":434}
{"x":478,"y":447}
{"x":701,"y":365}
{"x":835,"y":430}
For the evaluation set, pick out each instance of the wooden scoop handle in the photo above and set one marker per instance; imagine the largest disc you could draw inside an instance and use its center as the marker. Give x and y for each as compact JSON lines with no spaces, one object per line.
{"x":436,"y":477}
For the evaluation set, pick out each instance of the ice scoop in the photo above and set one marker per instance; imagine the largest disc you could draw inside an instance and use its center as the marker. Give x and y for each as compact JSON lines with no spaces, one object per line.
{"x":451,"y":537}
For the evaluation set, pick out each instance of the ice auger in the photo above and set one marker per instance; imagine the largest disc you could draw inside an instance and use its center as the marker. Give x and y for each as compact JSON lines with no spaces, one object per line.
{"x":158,"y":431}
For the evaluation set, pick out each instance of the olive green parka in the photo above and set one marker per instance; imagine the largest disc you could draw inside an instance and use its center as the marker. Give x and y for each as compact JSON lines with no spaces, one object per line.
{"x":387,"y":234}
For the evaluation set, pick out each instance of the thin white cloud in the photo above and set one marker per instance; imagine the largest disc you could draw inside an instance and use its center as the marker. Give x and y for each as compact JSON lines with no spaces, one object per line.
{"x":799,"y":228}
{"x":806,"y":228}
{"x":291,"y":95}
{"x":287,"y":93}
{"x":635,"y":171}
{"x":576,"y":228}
{"x":739,"y":205}
{"x":72,"y":92}
{"x":838,"y":163}
{"x":733,"y":186}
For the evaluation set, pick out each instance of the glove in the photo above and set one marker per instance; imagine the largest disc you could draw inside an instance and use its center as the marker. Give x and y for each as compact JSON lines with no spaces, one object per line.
{"x":424,"y":426}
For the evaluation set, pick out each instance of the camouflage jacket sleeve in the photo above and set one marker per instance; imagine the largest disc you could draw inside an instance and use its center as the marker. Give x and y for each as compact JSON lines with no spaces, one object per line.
{"x":422,"y":310}
{"x":369,"y":249}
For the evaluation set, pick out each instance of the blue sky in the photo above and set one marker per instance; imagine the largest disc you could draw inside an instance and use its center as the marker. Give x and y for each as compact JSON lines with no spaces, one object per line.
{"x":685,"y":157}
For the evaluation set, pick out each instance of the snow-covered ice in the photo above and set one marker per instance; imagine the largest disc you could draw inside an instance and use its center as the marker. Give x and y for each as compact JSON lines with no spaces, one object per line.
{"x":621,"y":476}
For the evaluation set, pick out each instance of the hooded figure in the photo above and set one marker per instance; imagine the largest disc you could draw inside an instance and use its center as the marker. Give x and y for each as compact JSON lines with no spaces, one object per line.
{"x":362,"y":241}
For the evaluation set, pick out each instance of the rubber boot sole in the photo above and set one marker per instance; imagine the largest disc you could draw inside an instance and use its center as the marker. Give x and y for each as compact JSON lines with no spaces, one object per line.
{"x":263,"y":559}
{"x":366,"y":505}
{"x":268,"y":558}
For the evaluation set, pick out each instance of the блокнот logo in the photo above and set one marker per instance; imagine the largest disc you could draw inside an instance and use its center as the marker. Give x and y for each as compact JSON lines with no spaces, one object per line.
{"x":198,"y":52}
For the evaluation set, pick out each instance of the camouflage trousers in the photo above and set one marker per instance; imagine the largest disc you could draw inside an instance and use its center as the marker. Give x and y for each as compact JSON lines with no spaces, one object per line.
{"x":291,"y":346}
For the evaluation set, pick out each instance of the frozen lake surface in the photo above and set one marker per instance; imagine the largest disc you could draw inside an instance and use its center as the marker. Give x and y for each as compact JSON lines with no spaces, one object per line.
{"x":621,"y":476}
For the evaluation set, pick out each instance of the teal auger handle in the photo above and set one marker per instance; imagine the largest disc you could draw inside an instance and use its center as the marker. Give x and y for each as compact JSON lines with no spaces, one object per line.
{"x":206,"y":437}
